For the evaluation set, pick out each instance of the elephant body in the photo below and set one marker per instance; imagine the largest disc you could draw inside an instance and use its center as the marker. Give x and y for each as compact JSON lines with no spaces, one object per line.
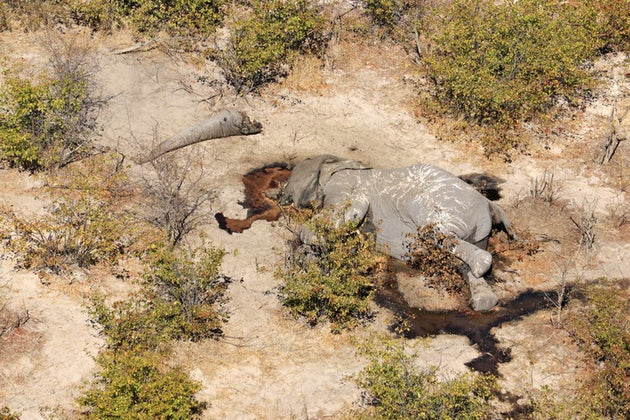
{"x":395,"y":203}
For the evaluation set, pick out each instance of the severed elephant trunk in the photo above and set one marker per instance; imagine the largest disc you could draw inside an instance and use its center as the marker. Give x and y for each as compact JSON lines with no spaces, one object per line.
{"x":226,"y":123}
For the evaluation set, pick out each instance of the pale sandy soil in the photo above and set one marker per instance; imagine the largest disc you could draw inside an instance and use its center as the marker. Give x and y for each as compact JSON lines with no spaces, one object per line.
{"x":269,"y":365}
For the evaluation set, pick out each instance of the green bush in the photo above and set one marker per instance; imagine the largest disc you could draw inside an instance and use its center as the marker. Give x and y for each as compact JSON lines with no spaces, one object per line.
{"x":183,"y":18}
{"x":95,"y":14}
{"x":181,"y":299}
{"x":500,"y":62}
{"x":81,"y":231}
{"x":398,"y":389}
{"x":49,"y":123}
{"x":139,"y":385}
{"x":396,"y":15}
{"x":602,"y":328}
{"x":329,"y":280}
{"x":613,"y":24}
{"x":178,"y":17}
{"x":599,"y":323}
{"x":190,"y":282}
{"x":381,"y":11}
{"x":141,"y":323}
{"x":263,"y":43}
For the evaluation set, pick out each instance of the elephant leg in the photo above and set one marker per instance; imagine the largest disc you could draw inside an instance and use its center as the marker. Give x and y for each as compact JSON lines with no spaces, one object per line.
{"x":482,"y":298}
{"x":354,"y":211}
{"x":479,"y":260}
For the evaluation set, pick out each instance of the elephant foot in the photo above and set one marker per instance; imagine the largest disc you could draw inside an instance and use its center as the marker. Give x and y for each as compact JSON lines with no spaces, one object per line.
{"x":479,"y":260}
{"x":481,"y":263}
{"x":482,"y":298}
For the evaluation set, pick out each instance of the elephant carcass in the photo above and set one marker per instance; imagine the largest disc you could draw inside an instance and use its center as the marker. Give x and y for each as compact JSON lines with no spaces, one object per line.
{"x":397,"y":202}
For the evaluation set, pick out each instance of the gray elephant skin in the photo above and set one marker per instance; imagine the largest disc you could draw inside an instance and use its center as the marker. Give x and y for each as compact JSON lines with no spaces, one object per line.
{"x":397,"y":202}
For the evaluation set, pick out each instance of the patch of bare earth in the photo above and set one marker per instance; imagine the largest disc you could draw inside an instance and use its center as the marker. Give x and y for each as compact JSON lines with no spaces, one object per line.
{"x":358,"y":106}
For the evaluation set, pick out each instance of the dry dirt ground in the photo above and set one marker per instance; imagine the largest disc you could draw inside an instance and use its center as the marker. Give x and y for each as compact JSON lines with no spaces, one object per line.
{"x":360,"y":106}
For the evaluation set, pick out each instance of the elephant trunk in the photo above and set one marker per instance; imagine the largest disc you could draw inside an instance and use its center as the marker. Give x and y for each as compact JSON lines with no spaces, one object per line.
{"x":226,"y":123}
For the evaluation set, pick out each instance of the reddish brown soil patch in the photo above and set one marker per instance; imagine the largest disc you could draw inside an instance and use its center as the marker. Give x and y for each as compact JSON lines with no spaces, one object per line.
{"x":259,"y":205}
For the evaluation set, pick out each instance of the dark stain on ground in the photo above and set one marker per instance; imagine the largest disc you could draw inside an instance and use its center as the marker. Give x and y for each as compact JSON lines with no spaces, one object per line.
{"x":259,"y":206}
{"x":414,"y":322}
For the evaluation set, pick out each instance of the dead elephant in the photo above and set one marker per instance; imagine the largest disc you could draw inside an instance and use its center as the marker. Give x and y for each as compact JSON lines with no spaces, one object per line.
{"x":396,"y":202}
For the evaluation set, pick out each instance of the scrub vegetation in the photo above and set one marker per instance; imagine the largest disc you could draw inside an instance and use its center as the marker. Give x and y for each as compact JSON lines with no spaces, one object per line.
{"x":493,"y":65}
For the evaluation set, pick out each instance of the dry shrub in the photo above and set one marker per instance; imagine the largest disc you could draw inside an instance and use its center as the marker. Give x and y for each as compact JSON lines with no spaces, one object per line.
{"x":543,"y":188}
{"x":10,"y":319}
{"x":175,"y":197}
{"x":428,"y":251}
{"x":600,"y":325}
{"x":86,"y":223}
{"x":306,"y":75}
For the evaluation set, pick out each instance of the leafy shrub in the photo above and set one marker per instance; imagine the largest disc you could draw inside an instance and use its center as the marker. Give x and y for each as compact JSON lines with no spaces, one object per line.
{"x":330,"y":279}
{"x":428,"y":252}
{"x":51,"y":122}
{"x":391,"y":14}
{"x":603,"y":329}
{"x":179,"y":17}
{"x":191,"y":283}
{"x":95,"y":14}
{"x":140,"y":385}
{"x":181,"y":299}
{"x":81,"y":231}
{"x":381,"y":11}
{"x":7,"y":414}
{"x":613,"y":24}
{"x":263,"y":43}
{"x":398,"y":388}
{"x":497,"y":63}
{"x":141,"y":323}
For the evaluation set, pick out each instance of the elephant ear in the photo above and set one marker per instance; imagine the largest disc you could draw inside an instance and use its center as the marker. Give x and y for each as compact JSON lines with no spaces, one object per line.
{"x":328,"y":169}
{"x":304,"y":187}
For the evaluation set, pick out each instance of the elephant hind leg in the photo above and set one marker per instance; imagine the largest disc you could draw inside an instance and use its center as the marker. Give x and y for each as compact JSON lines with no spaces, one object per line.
{"x":479,"y":260}
{"x":482,"y":298}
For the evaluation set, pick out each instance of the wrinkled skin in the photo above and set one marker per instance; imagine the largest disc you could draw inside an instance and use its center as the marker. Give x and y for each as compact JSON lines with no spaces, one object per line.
{"x":396,"y":202}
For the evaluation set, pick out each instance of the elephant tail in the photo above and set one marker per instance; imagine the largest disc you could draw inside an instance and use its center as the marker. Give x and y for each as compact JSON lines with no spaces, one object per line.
{"x":500,"y":218}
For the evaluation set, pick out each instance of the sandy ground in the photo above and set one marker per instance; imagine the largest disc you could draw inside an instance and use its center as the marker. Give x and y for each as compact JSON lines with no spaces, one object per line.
{"x":269,"y":365}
